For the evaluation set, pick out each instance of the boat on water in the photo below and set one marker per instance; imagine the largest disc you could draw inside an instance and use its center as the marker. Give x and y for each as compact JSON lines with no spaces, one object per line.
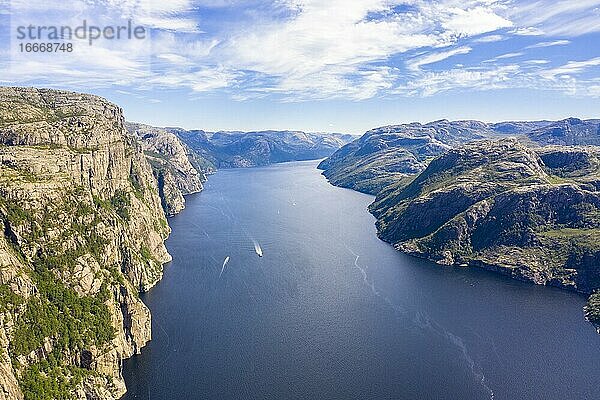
{"x":258,"y":249}
{"x":224,"y":264}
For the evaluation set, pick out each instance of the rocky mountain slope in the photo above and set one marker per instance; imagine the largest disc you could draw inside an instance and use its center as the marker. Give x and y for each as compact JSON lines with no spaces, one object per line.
{"x":533,"y":215}
{"x":390,"y":154}
{"x":569,"y":132}
{"x":458,"y":193}
{"x":250,"y":149}
{"x":181,"y":159}
{"x":497,"y":203}
{"x":82,"y":234}
{"x":178,"y":169}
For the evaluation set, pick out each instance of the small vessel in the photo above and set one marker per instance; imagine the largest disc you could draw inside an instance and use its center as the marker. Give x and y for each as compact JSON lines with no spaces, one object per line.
{"x":257,"y":249}
{"x":224,"y":265}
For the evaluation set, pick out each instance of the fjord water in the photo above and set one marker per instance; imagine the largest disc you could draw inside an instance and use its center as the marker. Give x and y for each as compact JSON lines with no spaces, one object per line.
{"x":331,"y":312}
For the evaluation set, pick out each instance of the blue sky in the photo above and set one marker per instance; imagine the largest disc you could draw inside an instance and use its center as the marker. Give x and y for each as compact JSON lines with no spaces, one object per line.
{"x":322,"y":65}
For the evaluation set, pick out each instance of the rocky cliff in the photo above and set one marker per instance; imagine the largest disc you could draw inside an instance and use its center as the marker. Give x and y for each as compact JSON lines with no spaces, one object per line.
{"x":498,"y":205}
{"x":83,"y":233}
{"x":177,"y":168}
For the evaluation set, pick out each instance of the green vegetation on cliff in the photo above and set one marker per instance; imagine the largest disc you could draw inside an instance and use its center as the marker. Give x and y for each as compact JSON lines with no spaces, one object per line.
{"x":57,"y":319}
{"x":76,"y":322}
{"x":592,"y":310}
{"x":505,"y":204}
{"x":496,"y":204}
{"x":9,"y":300}
{"x":82,"y":233}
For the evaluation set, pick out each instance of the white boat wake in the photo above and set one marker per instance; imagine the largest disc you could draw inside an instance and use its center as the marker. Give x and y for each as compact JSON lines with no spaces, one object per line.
{"x":427,"y":323}
{"x":224,"y":265}
{"x":424,"y":322}
{"x":257,"y":248}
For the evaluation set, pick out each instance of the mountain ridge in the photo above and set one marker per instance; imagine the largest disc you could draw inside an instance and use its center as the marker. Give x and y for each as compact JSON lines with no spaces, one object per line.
{"x":182,"y":159}
{"x":233,"y":149}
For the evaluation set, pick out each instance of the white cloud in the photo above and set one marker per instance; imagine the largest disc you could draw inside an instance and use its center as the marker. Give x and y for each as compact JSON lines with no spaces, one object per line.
{"x":342,"y":82}
{"x":322,"y":36}
{"x":509,"y":55}
{"x":475,"y":21}
{"x":432,"y":83}
{"x":320,"y":49}
{"x":202,"y":80}
{"x":571,"y":68}
{"x":542,"y":11}
{"x":489,"y":39}
{"x":416,"y":63}
{"x":557,"y":18}
{"x":536,"y":62}
{"x":549,"y":44}
{"x":169,"y":15}
{"x":323,"y":45}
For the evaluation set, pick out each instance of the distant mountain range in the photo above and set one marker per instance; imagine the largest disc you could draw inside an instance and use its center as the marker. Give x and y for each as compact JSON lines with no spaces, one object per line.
{"x":181,"y":158}
{"x":250,"y":149}
{"x":519,"y":198}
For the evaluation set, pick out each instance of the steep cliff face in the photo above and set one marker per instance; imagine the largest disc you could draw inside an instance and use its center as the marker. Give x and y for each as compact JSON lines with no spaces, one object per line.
{"x":177,"y":168}
{"x":83,"y":233}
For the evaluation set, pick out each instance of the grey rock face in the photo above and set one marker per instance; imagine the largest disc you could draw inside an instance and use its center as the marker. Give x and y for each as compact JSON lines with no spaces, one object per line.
{"x":81,"y":212}
{"x":177,"y":168}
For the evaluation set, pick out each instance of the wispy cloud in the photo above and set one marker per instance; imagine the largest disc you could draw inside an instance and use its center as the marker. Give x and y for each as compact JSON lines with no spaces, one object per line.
{"x":536,"y":62}
{"x":527,"y":31}
{"x":432,"y":83}
{"x":489,"y":39}
{"x":549,"y":44}
{"x":415,"y":64}
{"x":322,"y":45}
{"x":509,"y":55}
{"x":295,"y":50}
{"x":571,"y":68}
{"x":566,"y":17}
